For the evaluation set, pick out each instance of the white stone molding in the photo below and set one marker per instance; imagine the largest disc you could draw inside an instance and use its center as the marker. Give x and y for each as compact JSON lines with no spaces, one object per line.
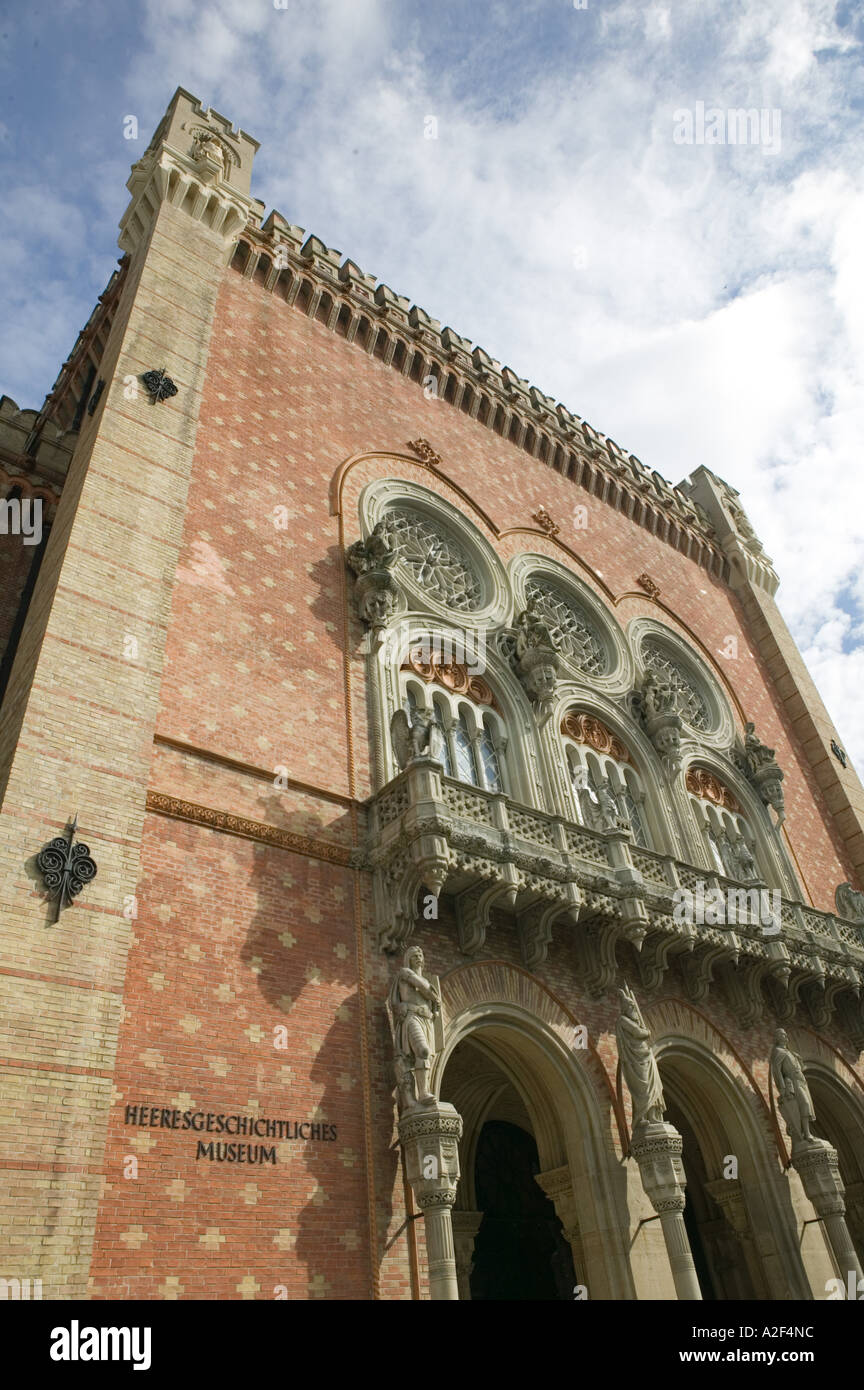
{"x":496,"y":600}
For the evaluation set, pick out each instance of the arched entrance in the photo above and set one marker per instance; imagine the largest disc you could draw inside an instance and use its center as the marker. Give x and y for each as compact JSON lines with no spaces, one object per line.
{"x":738,"y":1215}
{"x":541,"y":1204}
{"x":519,"y":1249}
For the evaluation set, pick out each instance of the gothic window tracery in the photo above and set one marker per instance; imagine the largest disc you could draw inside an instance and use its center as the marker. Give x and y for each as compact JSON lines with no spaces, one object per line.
{"x":692,"y":707}
{"x":603,"y":779}
{"x":577,"y":639}
{"x":726,"y":833}
{"x":474,"y":743}
{"x":436,"y":561}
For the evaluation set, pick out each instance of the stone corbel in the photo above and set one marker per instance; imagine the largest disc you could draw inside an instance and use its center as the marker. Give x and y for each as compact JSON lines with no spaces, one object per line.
{"x":595,"y":943}
{"x":534,"y":927}
{"x":474,"y":908}
{"x":743,"y":988}
{"x":699,"y":967}
{"x":466,"y":1224}
{"x":654,"y":957}
{"x":664,"y":731}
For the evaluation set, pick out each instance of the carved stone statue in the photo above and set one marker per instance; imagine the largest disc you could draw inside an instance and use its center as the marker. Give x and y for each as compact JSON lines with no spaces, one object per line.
{"x":538,"y":671}
{"x":533,"y":631}
{"x":377,"y":596}
{"x":375,"y":553}
{"x":638,"y":1064}
{"x":422,"y":738}
{"x":661,"y":693}
{"x":793,"y":1093}
{"x":207,"y":146}
{"x":759,"y":764}
{"x":849,"y":902}
{"x":412,"y":1007}
{"x":536,"y":656}
{"x":756,"y":753}
{"x":660,"y":702}
{"x":377,"y":592}
{"x":607,"y":813}
{"x":742,"y":859}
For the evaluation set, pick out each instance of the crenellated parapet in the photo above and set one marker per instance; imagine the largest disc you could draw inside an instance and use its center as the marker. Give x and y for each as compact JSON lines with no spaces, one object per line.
{"x":314,"y":278}
{"x":200,"y":164}
{"x":738,"y":541}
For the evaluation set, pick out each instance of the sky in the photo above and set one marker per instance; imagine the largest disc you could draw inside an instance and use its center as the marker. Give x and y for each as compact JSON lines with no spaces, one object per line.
{"x":697,"y":300}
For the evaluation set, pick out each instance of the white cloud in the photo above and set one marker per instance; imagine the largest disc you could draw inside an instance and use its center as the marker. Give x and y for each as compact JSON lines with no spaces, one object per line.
{"x":719,"y":314}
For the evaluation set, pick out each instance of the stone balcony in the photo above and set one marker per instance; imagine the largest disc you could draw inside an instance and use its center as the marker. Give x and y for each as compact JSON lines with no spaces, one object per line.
{"x":430,"y":834}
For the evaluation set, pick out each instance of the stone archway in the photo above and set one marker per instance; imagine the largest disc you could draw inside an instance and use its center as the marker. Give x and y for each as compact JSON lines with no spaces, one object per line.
{"x":509,"y":1059}
{"x":840,"y":1119}
{"x":740,"y":1217}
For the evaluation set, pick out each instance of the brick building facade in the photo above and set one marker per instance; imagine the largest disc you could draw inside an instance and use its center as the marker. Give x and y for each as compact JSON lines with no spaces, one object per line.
{"x":345,"y":511}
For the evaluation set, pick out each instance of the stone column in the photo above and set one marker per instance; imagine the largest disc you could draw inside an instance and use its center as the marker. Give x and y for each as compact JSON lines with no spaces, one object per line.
{"x":817,"y":1166}
{"x":557,"y":1183}
{"x":429,"y":1135}
{"x":657,"y":1149}
{"x":729,"y":1197}
{"x":466,"y":1224}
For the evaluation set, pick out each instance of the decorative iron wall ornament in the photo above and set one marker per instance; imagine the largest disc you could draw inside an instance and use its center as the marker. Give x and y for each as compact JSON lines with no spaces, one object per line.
{"x":65,"y":867}
{"x":647,"y":583}
{"x":159,"y":385}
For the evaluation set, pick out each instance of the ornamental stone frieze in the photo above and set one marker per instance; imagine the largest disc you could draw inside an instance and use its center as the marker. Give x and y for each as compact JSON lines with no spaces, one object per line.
{"x":430,"y":834}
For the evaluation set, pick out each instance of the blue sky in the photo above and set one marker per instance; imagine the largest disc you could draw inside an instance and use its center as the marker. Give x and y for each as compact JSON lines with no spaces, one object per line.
{"x":699,"y":303}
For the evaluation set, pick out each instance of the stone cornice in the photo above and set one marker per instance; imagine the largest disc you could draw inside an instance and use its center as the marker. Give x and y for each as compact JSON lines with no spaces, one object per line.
{"x":246,"y":829}
{"x":313,"y":278}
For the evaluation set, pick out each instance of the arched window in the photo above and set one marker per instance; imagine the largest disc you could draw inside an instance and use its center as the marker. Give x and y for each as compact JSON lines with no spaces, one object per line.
{"x":606,"y":789}
{"x":463,"y":747}
{"x":730,"y":844}
{"x":489,"y":760}
{"x":474,"y":734}
{"x":442,"y":719}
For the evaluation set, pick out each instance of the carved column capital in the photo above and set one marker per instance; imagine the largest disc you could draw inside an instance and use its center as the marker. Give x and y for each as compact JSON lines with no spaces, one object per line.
{"x":657,"y":1148}
{"x":818,"y":1167}
{"x":430,"y":1138}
